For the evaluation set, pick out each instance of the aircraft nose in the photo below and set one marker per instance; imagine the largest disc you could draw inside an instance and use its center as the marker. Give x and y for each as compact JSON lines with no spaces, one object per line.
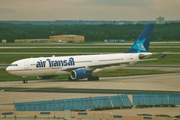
{"x":7,"y":69}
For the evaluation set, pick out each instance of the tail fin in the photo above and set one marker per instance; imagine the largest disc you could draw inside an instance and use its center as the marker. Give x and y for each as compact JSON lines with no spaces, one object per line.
{"x":142,"y":42}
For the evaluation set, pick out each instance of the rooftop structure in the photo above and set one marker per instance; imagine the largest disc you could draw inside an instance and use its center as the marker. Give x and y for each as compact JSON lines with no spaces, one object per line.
{"x":160,"y":20}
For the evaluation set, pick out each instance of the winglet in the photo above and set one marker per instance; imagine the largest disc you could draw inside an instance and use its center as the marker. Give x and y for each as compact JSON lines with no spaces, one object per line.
{"x":143,"y":41}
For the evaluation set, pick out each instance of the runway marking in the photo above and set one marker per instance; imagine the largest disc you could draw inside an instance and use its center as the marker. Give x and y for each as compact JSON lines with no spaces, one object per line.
{"x":121,"y":82}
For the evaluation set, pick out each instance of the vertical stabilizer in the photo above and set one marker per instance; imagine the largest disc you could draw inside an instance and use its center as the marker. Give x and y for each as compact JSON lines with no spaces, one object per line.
{"x":143,"y":41}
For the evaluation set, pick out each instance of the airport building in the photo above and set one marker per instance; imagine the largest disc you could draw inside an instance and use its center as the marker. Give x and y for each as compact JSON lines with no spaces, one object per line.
{"x":4,"y":41}
{"x":160,"y":20}
{"x":30,"y":40}
{"x":56,"y":38}
{"x":67,"y":38}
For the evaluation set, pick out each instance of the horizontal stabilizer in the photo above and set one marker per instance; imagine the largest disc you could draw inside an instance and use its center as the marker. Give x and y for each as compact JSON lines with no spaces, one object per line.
{"x":162,"y":56}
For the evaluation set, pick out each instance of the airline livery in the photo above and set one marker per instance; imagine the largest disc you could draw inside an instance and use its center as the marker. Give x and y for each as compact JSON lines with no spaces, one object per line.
{"x":85,"y":66}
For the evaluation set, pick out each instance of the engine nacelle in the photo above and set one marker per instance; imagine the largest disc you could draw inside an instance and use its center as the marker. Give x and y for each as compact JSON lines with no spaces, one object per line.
{"x":80,"y":74}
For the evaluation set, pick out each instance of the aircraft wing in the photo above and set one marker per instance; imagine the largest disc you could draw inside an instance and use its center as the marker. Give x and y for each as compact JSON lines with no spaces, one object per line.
{"x":125,"y":63}
{"x":93,"y":67}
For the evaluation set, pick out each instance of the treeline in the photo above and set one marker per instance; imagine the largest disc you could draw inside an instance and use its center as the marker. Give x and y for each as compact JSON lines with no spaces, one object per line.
{"x":92,"y":33}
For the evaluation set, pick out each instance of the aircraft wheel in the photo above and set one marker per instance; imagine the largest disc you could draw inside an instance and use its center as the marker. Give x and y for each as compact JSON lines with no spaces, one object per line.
{"x":25,"y":81}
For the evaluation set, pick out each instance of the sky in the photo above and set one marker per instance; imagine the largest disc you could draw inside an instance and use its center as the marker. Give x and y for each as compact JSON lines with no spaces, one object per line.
{"x":50,"y":10}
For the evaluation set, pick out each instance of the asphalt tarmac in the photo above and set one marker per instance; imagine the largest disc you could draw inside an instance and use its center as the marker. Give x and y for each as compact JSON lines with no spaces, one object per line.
{"x":41,"y":90}
{"x":157,"y":83}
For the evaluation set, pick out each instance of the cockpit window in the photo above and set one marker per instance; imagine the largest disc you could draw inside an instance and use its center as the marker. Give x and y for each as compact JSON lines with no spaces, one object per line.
{"x":14,"y":65}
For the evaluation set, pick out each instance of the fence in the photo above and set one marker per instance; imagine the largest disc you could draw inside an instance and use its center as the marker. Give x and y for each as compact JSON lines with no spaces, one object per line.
{"x":74,"y":104}
{"x":154,"y":99}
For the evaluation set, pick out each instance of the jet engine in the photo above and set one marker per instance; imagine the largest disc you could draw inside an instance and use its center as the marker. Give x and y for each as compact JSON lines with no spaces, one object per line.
{"x":39,"y":77}
{"x":80,"y":74}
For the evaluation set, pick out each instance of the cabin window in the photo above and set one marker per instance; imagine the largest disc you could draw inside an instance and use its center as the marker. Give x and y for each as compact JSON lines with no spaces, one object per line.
{"x":82,"y":61}
{"x":32,"y":64}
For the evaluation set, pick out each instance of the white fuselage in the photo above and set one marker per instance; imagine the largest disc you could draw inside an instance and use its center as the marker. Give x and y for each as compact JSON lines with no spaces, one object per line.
{"x":45,"y":66}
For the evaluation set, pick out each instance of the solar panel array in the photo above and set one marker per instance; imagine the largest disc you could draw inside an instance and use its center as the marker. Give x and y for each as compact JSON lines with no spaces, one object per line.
{"x":74,"y":104}
{"x":155,"y":99}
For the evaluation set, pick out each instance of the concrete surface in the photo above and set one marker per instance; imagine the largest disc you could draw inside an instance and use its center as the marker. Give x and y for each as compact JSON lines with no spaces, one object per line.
{"x":159,"y":82}
{"x":162,"y":82}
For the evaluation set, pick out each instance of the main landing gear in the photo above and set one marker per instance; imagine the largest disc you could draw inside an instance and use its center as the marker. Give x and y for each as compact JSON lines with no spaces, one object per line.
{"x":93,"y":78}
{"x":70,"y":79}
{"x":24,"y":79}
{"x":89,"y":79}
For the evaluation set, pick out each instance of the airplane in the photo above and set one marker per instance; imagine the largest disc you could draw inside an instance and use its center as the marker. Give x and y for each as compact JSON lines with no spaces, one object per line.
{"x":84,"y":66}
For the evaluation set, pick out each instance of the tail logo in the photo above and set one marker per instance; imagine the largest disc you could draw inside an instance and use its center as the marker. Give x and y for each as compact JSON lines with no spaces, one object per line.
{"x":139,"y":45}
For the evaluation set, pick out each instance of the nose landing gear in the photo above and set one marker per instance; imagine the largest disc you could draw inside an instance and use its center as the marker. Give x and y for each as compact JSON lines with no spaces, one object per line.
{"x":24,"y":79}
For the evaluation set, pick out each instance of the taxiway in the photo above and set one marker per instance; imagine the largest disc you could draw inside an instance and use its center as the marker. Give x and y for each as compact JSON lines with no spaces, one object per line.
{"x":40,"y":90}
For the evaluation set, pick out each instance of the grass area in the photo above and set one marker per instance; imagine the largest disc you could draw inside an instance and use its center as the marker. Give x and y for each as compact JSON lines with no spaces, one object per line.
{"x":110,"y":50}
{"x":60,"y":44}
{"x":64,"y":50}
{"x":162,"y":115}
{"x":128,"y":72}
{"x":145,"y":115}
{"x":177,"y":116}
{"x":165,"y":43}
{"x":5,"y":76}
